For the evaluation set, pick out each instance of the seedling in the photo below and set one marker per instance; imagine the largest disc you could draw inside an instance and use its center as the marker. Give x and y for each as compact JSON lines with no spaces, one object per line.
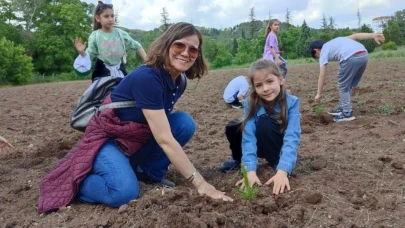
{"x":386,"y":109}
{"x":360,"y":103}
{"x":319,"y":109}
{"x":247,"y":193}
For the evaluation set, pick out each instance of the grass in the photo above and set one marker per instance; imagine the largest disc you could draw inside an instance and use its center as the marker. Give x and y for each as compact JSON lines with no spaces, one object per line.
{"x":386,"y":109}
{"x":360,"y":103}
{"x":378,"y":53}
{"x":247,"y":193}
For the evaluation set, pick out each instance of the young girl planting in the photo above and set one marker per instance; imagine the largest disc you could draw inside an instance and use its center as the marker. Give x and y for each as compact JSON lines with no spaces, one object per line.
{"x":270,"y":128}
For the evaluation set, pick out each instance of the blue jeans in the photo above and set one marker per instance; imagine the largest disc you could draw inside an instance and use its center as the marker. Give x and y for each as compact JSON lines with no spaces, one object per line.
{"x":113,"y":181}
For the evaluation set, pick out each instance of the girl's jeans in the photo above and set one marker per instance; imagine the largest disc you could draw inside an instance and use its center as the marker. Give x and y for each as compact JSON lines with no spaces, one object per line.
{"x":113,"y":181}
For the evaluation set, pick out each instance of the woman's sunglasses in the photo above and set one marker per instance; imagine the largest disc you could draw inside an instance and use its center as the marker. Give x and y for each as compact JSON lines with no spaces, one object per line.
{"x":179,"y":47}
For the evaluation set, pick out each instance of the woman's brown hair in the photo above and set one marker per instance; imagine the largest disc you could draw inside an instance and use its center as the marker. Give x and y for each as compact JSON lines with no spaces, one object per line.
{"x":158,"y":53}
{"x":254,"y":101}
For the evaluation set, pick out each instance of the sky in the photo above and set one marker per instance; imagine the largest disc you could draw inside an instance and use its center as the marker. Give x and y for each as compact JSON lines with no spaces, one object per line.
{"x":220,"y":14}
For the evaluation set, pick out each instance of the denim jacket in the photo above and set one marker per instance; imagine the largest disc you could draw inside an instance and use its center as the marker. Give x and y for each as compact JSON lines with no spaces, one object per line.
{"x":292,"y":135}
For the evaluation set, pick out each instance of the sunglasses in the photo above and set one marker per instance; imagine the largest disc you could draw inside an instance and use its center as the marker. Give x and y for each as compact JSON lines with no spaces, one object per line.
{"x":105,"y":6}
{"x":179,"y":47}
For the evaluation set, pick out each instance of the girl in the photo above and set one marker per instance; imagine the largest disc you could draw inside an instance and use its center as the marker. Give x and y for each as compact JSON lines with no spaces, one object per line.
{"x":106,"y":43}
{"x":159,"y":133}
{"x":271,"y":51}
{"x":270,"y":128}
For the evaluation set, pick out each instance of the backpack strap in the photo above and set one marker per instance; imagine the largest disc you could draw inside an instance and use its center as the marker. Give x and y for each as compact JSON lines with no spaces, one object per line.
{"x":122,"y":40}
{"x":119,"y":104}
{"x":124,"y":57}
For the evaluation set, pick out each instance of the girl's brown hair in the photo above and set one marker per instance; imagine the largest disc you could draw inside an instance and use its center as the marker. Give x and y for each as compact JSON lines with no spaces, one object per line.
{"x":98,"y":11}
{"x":268,"y":29}
{"x":255,"y":101}
{"x":158,"y":53}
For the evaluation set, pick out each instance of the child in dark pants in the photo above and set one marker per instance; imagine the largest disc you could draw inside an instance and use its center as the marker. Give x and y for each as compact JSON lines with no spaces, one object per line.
{"x":270,"y":128}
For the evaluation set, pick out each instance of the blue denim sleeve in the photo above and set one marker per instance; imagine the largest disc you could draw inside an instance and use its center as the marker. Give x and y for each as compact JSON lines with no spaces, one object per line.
{"x":292,"y":135}
{"x":249,"y":146}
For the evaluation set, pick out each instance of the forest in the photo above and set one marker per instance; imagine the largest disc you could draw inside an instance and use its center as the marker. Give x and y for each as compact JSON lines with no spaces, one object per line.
{"x":36,"y":38}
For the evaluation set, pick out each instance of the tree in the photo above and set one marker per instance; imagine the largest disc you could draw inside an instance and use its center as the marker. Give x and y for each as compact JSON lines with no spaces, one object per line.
{"x":332,"y":24}
{"x":252,"y":22}
{"x":234,"y":47}
{"x":288,"y":18}
{"x":289,"y":44}
{"x":392,"y":32}
{"x":52,"y":46}
{"x":399,"y":18}
{"x":15,"y":66}
{"x":370,"y":45}
{"x":223,"y":57}
{"x":9,"y":30}
{"x":324,"y":24}
{"x":302,"y":44}
{"x":165,"y":19}
{"x":358,"y":18}
{"x":28,"y":11}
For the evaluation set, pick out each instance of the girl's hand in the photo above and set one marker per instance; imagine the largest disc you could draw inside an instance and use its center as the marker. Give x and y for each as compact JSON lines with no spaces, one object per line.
{"x":206,"y":189}
{"x":80,"y":46}
{"x":253,"y":179}
{"x":278,"y":62}
{"x":5,"y":145}
{"x":318,"y":97}
{"x":379,"y":38}
{"x":280,"y":181}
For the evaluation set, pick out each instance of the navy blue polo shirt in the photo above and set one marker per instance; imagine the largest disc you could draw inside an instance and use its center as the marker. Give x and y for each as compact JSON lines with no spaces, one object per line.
{"x":151,"y":88}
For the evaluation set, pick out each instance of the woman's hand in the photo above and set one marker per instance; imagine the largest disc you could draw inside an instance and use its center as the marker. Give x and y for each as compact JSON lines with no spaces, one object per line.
{"x":252,"y":178}
{"x":206,"y":189}
{"x":280,"y":181}
{"x":80,"y":46}
{"x":5,"y":145}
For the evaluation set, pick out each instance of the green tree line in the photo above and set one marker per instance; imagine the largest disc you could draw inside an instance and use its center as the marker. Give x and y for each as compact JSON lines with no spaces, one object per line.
{"x":36,"y":37}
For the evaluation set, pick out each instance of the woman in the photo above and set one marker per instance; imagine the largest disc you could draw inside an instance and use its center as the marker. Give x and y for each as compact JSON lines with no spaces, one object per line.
{"x":145,"y":138}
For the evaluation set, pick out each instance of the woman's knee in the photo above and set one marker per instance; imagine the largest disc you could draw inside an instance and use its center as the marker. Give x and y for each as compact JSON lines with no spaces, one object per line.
{"x":123,"y":195}
{"x":182,"y":123}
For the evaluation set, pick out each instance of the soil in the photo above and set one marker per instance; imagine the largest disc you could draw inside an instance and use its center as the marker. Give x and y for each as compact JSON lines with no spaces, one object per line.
{"x":348,"y":174}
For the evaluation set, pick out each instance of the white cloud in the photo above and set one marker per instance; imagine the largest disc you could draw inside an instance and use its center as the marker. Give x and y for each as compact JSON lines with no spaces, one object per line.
{"x":145,"y":14}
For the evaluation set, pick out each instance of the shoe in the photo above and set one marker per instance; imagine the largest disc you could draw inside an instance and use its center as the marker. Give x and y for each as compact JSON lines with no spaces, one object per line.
{"x":145,"y":178}
{"x":237,"y":106}
{"x":344,"y":116}
{"x":335,"y":112}
{"x":230,"y":165}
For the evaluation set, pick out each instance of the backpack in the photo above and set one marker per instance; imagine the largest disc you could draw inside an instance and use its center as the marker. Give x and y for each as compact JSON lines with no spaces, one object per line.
{"x":90,"y":102}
